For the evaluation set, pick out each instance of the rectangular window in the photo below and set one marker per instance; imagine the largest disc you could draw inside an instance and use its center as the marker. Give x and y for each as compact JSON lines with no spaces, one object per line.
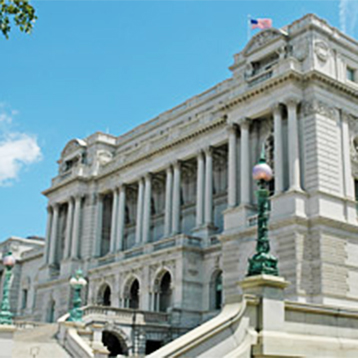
{"x":351,"y":74}
{"x":24,"y":299}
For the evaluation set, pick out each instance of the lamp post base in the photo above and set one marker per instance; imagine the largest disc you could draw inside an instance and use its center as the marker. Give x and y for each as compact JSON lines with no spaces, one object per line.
{"x":6,"y":317}
{"x":263,"y":264}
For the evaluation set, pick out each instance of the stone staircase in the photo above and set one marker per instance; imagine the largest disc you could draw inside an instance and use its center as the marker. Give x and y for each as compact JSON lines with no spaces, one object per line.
{"x":38,"y":342}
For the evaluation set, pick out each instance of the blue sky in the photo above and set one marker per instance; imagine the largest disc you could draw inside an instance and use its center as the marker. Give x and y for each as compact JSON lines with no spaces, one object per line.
{"x":108,"y":66}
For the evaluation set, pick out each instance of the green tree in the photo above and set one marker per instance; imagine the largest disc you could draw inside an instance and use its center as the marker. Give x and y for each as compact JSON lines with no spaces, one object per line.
{"x":20,"y":12}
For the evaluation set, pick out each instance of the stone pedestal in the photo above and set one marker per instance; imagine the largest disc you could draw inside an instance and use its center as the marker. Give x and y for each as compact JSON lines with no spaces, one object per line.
{"x":270,"y":314}
{"x":6,"y":340}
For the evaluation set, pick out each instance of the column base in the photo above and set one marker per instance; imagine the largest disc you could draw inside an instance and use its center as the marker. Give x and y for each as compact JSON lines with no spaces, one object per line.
{"x":204,"y":231}
{"x":69,"y":266}
{"x":288,"y":204}
{"x":237,"y":217}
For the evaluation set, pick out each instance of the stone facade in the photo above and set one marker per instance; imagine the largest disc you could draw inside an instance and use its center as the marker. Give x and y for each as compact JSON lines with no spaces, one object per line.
{"x":163,"y":218}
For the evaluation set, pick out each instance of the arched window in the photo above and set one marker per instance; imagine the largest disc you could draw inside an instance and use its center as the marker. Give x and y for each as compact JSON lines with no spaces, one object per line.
{"x":134,"y":295}
{"x":216,"y":291}
{"x":165,"y":294}
{"x":104,"y":296}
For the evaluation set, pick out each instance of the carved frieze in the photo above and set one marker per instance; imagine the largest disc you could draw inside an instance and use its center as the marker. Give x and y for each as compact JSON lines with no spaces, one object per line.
{"x":318,"y":107}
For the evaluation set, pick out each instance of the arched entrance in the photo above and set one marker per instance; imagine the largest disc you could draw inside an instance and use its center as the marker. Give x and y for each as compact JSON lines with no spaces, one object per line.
{"x":114,"y":344}
{"x":104,"y":296}
{"x":134,"y":295}
{"x":165,"y":293}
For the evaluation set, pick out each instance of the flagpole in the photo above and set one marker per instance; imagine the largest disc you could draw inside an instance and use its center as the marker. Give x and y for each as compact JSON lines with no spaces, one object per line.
{"x":248,"y":28}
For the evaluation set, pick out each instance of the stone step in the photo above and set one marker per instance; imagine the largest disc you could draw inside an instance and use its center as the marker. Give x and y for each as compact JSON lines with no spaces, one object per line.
{"x":39,"y":342}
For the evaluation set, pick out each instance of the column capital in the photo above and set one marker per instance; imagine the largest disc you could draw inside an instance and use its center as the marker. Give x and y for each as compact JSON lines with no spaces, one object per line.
{"x":231,"y":128}
{"x":122,"y":187}
{"x":244,"y":123}
{"x":209,"y":150}
{"x":292,"y":101}
{"x":168,"y":169}
{"x":78,"y":197}
{"x":49,"y":208}
{"x":176,"y":164}
{"x":148,"y":176}
{"x":200,"y":153}
{"x":276,"y":108}
{"x":56,"y":206}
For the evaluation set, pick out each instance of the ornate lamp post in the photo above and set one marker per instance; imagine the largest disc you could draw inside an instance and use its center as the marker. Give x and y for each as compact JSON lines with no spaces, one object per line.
{"x":262,"y":262}
{"x":5,"y":314}
{"x":77,"y":282}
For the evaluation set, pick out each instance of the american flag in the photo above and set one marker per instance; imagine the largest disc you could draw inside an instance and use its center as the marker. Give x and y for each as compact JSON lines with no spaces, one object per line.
{"x":260,"y":23}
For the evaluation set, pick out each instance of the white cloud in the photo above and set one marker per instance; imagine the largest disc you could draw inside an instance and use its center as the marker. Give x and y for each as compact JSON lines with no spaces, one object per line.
{"x":17,"y":150}
{"x":348,"y":15}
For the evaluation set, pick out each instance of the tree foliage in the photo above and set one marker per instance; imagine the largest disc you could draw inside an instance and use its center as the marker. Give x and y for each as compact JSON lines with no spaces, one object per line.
{"x":20,"y":12}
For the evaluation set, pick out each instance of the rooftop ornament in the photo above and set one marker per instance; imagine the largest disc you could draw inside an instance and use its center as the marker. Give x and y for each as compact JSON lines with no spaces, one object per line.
{"x":262,"y":263}
{"x":5,"y":313}
{"x":77,"y":282}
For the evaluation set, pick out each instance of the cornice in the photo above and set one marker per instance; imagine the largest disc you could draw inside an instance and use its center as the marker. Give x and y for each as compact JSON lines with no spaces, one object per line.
{"x":219,"y":122}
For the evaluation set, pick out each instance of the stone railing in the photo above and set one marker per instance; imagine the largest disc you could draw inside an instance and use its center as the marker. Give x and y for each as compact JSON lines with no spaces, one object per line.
{"x":28,"y":324}
{"x":123,"y":315}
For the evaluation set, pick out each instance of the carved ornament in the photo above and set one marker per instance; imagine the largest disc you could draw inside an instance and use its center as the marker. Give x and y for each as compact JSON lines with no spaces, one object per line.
{"x":262,"y":39}
{"x":321,"y":50}
{"x":104,"y":157}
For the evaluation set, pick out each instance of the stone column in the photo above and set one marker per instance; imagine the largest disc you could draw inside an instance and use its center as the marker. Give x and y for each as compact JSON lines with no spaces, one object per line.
{"x":232,"y":175}
{"x":147,"y":207}
{"x":245,"y":162}
{"x":121,"y":217}
{"x":139,"y":223}
{"x":112,"y":246}
{"x":293,"y":149}
{"x":98,"y":230}
{"x":68,"y":229}
{"x":209,"y":186}
{"x":52,"y":259}
{"x":176,"y":199}
{"x":168,"y":202}
{"x":200,"y":188}
{"x":76,"y":227}
{"x":278,"y":148}
{"x":48,"y":233}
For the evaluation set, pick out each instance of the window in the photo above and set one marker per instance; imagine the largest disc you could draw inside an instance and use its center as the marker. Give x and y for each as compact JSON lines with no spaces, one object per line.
{"x":351,"y":74}
{"x":356,"y":192}
{"x":24,"y":299}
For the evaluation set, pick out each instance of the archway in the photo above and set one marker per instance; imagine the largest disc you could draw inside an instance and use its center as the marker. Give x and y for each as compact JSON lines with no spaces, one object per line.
{"x":134,"y":295}
{"x":114,"y":344}
{"x":104,"y":296}
{"x":165,"y":293}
